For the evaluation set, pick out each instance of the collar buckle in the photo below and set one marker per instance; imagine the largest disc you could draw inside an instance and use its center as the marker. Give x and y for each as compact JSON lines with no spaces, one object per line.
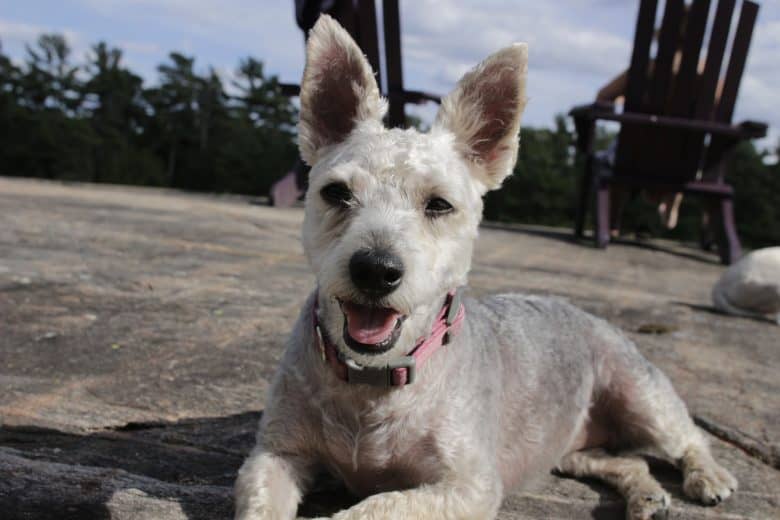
{"x":380,"y":376}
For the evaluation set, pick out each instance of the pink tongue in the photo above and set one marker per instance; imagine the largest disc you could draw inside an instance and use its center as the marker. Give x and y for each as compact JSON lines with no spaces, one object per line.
{"x":369,"y":325}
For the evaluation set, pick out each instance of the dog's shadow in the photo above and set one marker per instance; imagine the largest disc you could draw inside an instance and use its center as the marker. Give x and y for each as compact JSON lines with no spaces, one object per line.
{"x":184,"y":468}
{"x":611,"y":504}
{"x":188,"y":465}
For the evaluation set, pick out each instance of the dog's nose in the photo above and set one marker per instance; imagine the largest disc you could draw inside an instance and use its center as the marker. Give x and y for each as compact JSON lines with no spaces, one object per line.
{"x":376,"y":272}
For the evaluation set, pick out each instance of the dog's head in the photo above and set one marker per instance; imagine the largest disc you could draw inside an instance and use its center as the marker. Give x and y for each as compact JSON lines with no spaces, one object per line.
{"x":392,"y":215}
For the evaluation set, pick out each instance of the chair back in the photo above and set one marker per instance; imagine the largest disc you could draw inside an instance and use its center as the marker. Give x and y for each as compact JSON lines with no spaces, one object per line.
{"x":685,"y":78}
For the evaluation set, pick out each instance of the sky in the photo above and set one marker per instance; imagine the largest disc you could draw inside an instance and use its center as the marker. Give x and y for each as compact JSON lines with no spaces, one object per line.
{"x":575,"y":46}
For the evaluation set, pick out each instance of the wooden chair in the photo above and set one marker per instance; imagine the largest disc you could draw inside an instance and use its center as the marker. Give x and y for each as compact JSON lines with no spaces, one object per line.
{"x":397,"y":95}
{"x":358,"y":17}
{"x":675,"y":134}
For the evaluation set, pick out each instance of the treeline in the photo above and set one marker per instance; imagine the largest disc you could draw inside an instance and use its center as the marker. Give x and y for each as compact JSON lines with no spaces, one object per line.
{"x":97,"y":121}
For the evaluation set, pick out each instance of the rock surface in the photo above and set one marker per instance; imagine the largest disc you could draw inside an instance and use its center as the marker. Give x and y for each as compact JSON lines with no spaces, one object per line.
{"x":139,"y":329}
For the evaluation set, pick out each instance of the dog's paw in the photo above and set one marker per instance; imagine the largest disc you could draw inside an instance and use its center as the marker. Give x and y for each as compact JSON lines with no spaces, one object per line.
{"x":710,"y":484}
{"x":648,"y":506}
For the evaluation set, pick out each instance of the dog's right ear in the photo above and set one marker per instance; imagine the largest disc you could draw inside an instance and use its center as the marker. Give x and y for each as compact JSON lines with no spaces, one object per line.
{"x":338,"y":90}
{"x":483,"y":113}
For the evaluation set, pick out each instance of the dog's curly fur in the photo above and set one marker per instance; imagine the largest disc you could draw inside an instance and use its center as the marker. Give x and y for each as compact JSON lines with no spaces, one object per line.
{"x":528,"y":384}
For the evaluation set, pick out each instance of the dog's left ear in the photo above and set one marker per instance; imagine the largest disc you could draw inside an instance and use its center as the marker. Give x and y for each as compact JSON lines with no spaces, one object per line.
{"x":484,"y":113}
{"x":338,"y":90}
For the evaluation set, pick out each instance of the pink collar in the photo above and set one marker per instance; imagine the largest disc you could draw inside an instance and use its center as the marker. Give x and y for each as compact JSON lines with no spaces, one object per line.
{"x":399,"y":372}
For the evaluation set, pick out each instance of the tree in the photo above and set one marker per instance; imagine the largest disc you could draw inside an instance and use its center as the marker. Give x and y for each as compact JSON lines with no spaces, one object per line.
{"x":114,"y":104}
{"x":50,"y":80}
{"x":542,"y":188}
{"x":261,"y":146}
{"x":174,"y":105}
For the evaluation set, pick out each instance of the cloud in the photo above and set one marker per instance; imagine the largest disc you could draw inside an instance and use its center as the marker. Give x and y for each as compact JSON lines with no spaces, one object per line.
{"x":20,"y":33}
{"x":758,"y":97}
{"x":205,"y":28}
{"x":568,"y":59}
{"x":575,"y":46}
{"x":139,"y":47}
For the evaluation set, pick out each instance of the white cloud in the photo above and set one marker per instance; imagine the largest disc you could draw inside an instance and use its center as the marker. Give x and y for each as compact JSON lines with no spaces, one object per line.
{"x":575,"y":45}
{"x":139,"y":47}
{"x":15,"y":31}
{"x":264,"y":29}
{"x":568,"y":58}
{"x":19,"y":33}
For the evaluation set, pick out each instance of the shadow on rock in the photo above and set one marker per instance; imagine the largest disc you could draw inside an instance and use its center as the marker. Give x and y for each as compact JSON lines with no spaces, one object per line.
{"x":161,"y":471}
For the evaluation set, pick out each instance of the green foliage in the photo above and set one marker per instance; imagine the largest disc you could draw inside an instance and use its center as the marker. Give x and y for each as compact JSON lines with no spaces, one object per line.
{"x":542,"y":188}
{"x":757,"y":200}
{"x":97,"y":122}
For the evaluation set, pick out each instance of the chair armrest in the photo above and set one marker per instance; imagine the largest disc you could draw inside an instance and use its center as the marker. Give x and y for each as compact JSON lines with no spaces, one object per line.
{"x":592,"y":110}
{"x":756,"y":127}
{"x":606,"y":112}
{"x":585,"y":117}
{"x":290,"y":89}
{"x":418,"y":97}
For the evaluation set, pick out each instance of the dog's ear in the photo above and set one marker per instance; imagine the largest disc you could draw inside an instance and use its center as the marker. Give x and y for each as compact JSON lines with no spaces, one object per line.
{"x":338,"y":89}
{"x":484,"y":113}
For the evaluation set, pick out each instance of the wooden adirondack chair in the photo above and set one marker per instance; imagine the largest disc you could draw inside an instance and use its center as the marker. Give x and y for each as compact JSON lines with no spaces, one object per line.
{"x":358,"y":17}
{"x":675,"y":133}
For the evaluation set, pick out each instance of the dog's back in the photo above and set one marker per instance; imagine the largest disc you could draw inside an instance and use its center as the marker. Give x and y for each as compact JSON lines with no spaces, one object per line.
{"x":552,"y":360}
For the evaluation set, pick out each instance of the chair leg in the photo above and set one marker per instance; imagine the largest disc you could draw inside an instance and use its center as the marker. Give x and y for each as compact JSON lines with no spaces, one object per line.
{"x":586,"y":192}
{"x":601,"y":232}
{"x":729,"y":247}
{"x":708,"y":233}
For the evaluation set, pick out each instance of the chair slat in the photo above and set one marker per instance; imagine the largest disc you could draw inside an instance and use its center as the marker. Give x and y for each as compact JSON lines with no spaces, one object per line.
{"x":637,"y":75}
{"x":368,"y":39}
{"x":739,"y":53}
{"x":668,"y":43}
{"x":686,"y":81}
{"x":395,"y":82}
{"x":715,"y":50}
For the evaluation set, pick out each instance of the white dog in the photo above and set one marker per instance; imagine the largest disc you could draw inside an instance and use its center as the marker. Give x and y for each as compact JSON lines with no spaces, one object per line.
{"x":429,"y":405}
{"x":751,"y":287}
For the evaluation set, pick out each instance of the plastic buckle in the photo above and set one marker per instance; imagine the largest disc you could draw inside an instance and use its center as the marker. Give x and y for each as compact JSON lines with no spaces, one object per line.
{"x":452,"y":312}
{"x":358,"y":374}
{"x":407,"y":362}
{"x":381,"y":377}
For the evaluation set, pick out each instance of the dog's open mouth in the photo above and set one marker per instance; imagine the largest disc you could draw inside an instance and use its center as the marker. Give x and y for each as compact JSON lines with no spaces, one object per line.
{"x":370,"y":329}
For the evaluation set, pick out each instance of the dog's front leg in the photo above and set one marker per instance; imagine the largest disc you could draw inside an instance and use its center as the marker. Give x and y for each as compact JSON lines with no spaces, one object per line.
{"x":459,"y":498}
{"x":270,"y":486}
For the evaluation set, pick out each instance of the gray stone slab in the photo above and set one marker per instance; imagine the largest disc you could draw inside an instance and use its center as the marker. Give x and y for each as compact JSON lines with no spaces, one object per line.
{"x":139,"y":329}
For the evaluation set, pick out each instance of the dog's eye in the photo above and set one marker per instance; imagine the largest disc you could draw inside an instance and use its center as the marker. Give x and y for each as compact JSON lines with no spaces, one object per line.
{"x":437,"y":207}
{"x":337,"y":194}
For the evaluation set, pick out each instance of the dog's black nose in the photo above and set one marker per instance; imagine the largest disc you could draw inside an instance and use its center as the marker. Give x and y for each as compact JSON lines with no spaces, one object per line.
{"x":376,"y":272}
